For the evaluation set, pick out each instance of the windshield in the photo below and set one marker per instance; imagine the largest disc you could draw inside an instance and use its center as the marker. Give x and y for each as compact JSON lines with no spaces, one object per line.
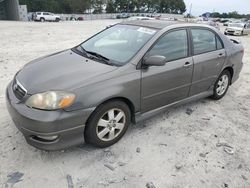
{"x":236,"y":25}
{"x":119,"y":43}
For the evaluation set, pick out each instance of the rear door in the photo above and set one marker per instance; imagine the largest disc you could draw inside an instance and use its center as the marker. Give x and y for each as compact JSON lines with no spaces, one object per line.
{"x":208,"y":56}
{"x":46,"y":16}
{"x":169,"y":83}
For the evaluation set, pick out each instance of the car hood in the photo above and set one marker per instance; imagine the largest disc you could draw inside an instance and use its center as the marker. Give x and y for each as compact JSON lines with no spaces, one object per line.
{"x":234,"y":28}
{"x":61,"y":71}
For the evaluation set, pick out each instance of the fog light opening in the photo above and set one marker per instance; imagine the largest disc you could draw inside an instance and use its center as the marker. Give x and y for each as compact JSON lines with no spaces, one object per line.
{"x":45,"y":138}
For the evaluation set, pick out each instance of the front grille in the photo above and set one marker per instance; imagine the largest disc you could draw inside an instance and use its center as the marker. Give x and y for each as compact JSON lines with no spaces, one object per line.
{"x":18,"y":90}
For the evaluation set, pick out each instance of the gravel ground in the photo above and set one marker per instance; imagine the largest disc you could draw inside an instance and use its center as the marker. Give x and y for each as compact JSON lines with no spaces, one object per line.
{"x":200,"y":144}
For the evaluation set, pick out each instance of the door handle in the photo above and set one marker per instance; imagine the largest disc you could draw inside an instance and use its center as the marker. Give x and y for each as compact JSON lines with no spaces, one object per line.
{"x":221,"y":54}
{"x":187,"y":64}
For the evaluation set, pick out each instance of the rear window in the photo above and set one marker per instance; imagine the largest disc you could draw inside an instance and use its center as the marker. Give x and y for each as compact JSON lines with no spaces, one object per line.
{"x":219,"y":43}
{"x":205,"y":41}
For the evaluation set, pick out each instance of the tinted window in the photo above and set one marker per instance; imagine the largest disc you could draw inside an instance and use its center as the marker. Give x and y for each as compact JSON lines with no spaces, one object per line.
{"x":173,"y":46}
{"x":45,"y":13}
{"x":39,"y":13}
{"x":203,"y":40}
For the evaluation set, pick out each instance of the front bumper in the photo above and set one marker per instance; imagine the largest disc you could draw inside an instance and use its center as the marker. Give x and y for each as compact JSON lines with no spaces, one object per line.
{"x":47,"y":130}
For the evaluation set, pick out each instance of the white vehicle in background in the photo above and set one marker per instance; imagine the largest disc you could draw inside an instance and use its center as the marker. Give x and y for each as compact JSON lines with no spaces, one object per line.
{"x":237,"y":29}
{"x":140,"y":18}
{"x":46,"y":16}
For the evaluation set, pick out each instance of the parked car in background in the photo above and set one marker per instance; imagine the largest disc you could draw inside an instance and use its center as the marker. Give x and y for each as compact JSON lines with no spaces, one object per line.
{"x":72,"y":18}
{"x":227,"y":23}
{"x":80,"y":18}
{"x":214,"y":24}
{"x":140,"y":18}
{"x":211,"y":23}
{"x":123,"y":16}
{"x":46,"y":16}
{"x":237,"y":29}
{"x":223,"y":20}
{"x":124,"y":74}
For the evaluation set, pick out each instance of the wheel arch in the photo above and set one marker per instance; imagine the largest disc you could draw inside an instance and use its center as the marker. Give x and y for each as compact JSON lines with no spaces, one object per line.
{"x":231,"y":71}
{"x":123,"y":99}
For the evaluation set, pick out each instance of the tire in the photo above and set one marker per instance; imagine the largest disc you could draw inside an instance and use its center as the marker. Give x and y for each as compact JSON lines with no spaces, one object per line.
{"x":225,"y":33}
{"x":42,"y":19}
{"x":57,"y":20}
{"x":107,"y":124}
{"x":221,"y":85}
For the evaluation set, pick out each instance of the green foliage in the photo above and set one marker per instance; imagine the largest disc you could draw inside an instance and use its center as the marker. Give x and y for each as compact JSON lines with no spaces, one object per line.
{"x":97,"y":6}
{"x":110,"y":7}
{"x":80,"y":6}
{"x":57,"y":6}
{"x":230,"y":15}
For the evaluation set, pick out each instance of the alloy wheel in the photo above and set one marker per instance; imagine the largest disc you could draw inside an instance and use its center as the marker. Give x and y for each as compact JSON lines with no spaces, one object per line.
{"x":111,"y":124}
{"x":222,"y":85}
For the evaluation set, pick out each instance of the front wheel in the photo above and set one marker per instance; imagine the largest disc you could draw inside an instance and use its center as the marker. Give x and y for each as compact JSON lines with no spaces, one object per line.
{"x":221,"y":85}
{"x":108,"y":124}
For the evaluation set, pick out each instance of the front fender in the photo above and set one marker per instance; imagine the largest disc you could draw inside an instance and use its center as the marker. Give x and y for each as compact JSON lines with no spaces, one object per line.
{"x":124,"y":86}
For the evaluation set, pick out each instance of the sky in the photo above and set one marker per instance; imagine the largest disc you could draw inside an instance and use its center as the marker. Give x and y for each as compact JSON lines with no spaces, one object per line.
{"x":202,"y":6}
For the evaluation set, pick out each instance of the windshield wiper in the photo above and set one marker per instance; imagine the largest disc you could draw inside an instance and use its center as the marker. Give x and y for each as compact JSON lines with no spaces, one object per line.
{"x":82,"y":49}
{"x":96,"y":55}
{"x":100,"y":57}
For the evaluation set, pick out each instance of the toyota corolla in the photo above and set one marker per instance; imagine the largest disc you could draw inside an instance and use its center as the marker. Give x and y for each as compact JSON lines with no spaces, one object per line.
{"x":125,"y":73}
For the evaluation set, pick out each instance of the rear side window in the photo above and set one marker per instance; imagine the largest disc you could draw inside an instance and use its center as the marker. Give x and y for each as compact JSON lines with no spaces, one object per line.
{"x":203,"y":41}
{"x":45,"y":13}
{"x":219,"y":43}
{"x":173,"y":46}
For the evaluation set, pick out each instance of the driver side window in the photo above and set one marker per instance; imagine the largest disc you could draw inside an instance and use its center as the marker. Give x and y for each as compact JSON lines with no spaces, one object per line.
{"x":173,"y":45}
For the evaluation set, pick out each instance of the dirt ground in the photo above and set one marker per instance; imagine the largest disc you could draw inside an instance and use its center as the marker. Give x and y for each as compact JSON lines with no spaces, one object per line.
{"x":200,"y":144}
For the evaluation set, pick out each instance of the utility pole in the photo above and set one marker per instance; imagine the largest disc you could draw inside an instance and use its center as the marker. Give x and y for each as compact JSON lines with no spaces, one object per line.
{"x":190,"y":11}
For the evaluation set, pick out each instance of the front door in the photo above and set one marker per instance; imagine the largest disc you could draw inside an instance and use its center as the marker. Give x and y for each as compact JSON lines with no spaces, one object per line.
{"x":169,"y":83}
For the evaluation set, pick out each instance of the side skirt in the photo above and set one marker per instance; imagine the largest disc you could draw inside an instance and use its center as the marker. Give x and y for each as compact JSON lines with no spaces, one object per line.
{"x":143,"y":116}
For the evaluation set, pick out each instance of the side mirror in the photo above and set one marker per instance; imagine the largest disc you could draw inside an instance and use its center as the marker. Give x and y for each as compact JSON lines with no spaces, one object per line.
{"x":155,"y":60}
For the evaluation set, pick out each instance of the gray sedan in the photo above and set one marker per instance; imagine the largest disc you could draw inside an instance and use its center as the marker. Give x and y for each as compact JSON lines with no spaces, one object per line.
{"x":124,"y":74}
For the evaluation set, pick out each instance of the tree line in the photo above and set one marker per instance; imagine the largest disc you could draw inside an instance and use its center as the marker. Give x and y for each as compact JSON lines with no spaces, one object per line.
{"x":234,"y":14}
{"x":109,"y":6}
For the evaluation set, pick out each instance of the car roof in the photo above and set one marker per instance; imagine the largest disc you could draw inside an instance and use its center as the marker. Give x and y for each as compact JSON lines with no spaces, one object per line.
{"x":161,"y":24}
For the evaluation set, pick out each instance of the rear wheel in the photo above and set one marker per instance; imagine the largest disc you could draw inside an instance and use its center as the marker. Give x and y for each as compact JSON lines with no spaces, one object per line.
{"x":42,"y":19}
{"x":221,"y":85}
{"x":108,"y":124}
{"x":57,"y":20}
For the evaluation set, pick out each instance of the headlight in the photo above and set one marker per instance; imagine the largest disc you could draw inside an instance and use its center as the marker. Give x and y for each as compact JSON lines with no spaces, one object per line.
{"x":51,"y":100}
